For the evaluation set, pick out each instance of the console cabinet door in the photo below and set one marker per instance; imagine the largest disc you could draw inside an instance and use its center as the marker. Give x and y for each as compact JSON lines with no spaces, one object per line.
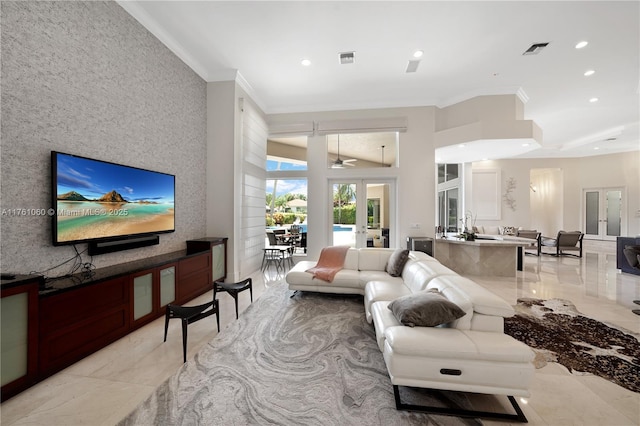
{"x":19,"y":338}
{"x":194,"y":277}
{"x":218,"y":261}
{"x":167,"y":285}
{"x":151,"y":291}
{"x":76,"y":323}
{"x":143,"y":295}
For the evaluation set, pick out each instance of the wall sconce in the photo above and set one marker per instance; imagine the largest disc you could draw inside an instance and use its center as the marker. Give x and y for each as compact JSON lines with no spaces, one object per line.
{"x":532,"y":187}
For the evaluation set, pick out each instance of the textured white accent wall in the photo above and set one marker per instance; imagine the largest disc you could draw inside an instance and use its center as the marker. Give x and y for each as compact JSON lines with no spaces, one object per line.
{"x":252,"y":208}
{"x":87,"y":79}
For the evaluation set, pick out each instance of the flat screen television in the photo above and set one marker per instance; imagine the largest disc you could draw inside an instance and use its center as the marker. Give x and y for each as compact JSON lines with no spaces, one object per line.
{"x":96,"y":200}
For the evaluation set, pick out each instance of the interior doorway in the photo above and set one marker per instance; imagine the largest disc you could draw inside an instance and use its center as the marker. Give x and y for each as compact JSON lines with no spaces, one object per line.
{"x":604,"y":213}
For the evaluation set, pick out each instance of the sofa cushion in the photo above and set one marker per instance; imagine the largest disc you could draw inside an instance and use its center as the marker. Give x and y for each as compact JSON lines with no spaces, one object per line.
{"x":373,"y":259}
{"x":382,"y":290}
{"x":366,"y":276}
{"x":416,"y":275}
{"x":344,"y":278}
{"x":351,"y":259}
{"x":507,"y":230}
{"x":422,"y":256}
{"x":491,"y":230}
{"x":480,"y":299}
{"x":425,"y":309}
{"x":383,"y":319}
{"x":448,"y":343}
{"x":299,"y":275}
{"x":396,"y":262}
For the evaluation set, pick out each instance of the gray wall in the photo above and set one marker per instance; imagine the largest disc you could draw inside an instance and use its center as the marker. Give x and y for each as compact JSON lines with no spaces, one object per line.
{"x":87,"y":79}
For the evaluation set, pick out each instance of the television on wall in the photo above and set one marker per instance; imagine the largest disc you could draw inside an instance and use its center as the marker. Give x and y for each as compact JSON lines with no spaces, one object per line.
{"x":96,"y":201}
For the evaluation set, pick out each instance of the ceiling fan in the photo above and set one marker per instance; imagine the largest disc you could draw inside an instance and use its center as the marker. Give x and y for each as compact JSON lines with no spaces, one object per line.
{"x":339,"y":163}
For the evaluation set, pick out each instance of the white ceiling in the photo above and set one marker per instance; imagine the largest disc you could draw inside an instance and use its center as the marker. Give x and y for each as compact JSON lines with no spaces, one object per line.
{"x":470,"y":49}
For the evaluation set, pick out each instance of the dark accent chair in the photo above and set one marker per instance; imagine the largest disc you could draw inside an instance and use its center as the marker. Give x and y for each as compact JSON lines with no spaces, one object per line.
{"x":272,"y":239}
{"x":532,"y":234}
{"x":188,"y":315}
{"x":565,"y":241}
{"x":233,"y":289}
{"x":303,"y":241}
{"x":279,"y":233}
{"x":632,"y":254}
{"x":294,"y":231}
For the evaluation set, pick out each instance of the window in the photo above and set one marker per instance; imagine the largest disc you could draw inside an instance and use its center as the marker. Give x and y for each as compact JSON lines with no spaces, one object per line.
{"x":449,"y":197}
{"x":287,"y":154}
{"x":362,"y":150}
{"x":447,"y":172}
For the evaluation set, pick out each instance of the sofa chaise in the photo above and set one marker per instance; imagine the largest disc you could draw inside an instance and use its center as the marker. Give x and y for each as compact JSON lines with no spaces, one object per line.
{"x":470,"y":353}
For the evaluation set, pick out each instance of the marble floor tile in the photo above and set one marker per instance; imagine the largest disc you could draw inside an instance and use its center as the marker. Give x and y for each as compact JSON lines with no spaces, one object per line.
{"x":104,"y":387}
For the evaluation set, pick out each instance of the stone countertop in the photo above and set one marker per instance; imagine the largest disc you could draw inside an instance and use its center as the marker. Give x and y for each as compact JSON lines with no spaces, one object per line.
{"x":53,"y":286}
{"x":57,"y":285}
{"x":482,"y":241}
{"x":19,"y":280}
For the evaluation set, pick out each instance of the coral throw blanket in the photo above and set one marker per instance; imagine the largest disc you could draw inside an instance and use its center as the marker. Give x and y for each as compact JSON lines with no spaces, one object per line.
{"x":330,"y":262}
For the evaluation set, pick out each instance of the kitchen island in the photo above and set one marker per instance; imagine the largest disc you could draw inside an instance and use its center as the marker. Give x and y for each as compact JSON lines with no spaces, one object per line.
{"x":483,"y":257}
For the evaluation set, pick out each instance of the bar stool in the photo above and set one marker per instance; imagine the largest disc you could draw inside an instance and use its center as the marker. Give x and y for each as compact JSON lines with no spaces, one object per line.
{"x":233,"y":289}
{"x":188,"y":315}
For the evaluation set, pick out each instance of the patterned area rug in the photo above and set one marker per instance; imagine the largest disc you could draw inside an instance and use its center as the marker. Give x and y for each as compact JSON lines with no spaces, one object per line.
{"x":559,"y":333}
{"x":308,"y":360}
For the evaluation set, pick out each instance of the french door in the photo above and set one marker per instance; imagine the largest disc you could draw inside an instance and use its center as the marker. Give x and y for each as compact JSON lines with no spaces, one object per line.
{"x":362,"y":213}
{"x":604,"y":213}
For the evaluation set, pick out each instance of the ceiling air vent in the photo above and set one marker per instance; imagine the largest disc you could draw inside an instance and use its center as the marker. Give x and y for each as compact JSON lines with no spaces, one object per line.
{"x":347,"y":58}
{"x":412,"y":66}
{"x":535,"y":49}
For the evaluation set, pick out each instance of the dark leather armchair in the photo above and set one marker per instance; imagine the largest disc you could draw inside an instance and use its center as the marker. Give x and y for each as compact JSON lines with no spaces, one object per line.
{"x":632,"y":254}
{"x":565,"y":241}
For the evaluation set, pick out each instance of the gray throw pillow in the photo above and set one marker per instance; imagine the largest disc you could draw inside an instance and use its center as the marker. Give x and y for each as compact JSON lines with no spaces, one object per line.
{"x":396,"y":262}
{"x":425,"y":309}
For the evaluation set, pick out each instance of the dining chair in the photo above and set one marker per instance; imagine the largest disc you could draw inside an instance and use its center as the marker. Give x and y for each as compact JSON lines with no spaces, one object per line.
{"x":272,"y":256}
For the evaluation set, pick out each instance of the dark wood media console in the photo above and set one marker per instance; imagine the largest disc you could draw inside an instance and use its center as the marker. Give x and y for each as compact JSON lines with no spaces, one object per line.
{"x":71,"y":318}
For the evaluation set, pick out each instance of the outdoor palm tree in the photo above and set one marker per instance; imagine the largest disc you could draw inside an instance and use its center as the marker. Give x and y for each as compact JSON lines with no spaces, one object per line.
{"x":343,"y":194}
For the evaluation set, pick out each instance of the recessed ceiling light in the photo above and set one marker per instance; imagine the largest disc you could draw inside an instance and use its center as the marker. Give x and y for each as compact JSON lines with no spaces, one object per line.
{"x":593,"y":100}
{"x":525,"y":144}
{"x":581,"y":44}
{"x":589,"y":72}
{"x":461,"y":145}
{"x":418,"y":54}
{"x":596,"y":148}
{"x":305,"y":62}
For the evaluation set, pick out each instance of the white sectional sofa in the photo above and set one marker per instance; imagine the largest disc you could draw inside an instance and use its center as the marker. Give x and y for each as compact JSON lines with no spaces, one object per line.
{"x":469,"y":354}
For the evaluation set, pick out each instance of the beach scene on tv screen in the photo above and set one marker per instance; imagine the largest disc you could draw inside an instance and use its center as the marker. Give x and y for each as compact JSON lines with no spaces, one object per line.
{"x":98,"y":200}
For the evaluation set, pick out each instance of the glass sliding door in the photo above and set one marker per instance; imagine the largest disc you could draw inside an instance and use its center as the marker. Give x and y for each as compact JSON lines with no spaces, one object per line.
{"x":604,"y":213}
{"x":344,"y":216}
{"x":361,"y":213}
